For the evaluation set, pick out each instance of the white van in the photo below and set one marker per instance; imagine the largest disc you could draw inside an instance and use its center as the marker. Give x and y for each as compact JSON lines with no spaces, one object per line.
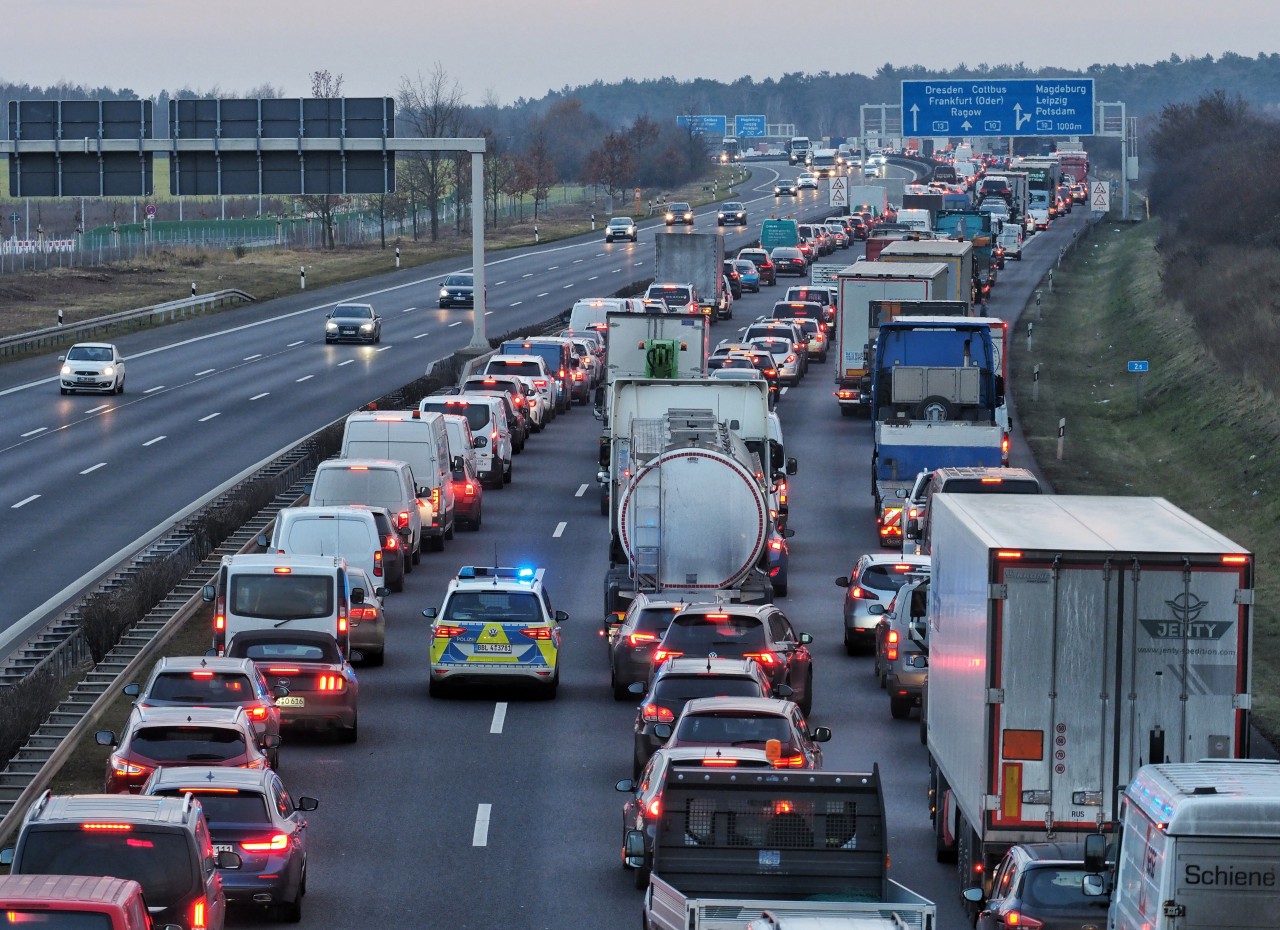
{"x":304,"y":592}
{"x":591,"y":313}
{"x":488,"y":420}
{"x":378,"y":483}
{"x":420,"y":440}
{"x":350,"y":533}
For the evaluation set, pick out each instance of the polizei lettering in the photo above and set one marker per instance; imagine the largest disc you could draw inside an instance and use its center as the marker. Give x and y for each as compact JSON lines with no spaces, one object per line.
{"x":1228,"y":876}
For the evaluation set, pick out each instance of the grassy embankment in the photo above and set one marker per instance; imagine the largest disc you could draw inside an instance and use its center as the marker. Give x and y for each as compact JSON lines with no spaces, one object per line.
{"x":1207,"y":439}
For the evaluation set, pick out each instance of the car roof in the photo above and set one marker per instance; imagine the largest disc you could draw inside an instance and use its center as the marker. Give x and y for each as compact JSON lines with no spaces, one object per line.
{"x":1069,"y":853}
{"x":889,"y":558}
{"x":93,"y":345}
{"x":677,"y":755}
{"x":714,"y":668}
{"x":756,"y":705}
{"x":200,"y":777}
{"x":196,"y":716}
{"x":201,"y":663}
{"x":131,"y":808}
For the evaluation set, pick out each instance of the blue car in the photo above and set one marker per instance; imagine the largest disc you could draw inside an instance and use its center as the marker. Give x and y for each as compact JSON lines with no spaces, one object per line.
{"x":779,"y":557}
{"x":749,"y":274}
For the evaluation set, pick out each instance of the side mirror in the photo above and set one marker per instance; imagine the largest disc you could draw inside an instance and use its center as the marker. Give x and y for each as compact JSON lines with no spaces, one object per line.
{"x":270,"y":742}
{"x":227,"y":860}
{"x":1095,"y":852}
{"x":262,"y":542}
{"x":381,"y":592}
{"x":805,"y":639}
{"x":1091,"y":886}
{"x":425,"y":491}
{"x":561,"y":616}
{"x":625,"y":785}
{"x":973,"y":895}
{"x":900,"y":494}
{"x":821,"y":734}
{"x":430,"y":613}
{"x":104,"y":738}
{"x":357,"y":595}
{"x":842,"y":581}
{"x":913,"y":527}
{"x":6,"y":854}
{"x":209,"y":593}
{"x":662,"y":730}
{"x":787,"y":533}
{"x":456,"y":464}
{"x":132,"y":689}
{"x":783,"y":691}
{"x":279,"y":691}
{"x":876,"y":610}
{"x":355,"y":656}
{"x":633,"y":845}
{"x":637,"y":688}
{"x":306,"y":804}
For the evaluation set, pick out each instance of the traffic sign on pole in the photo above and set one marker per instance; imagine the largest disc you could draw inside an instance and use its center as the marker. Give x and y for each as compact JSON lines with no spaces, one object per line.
{"x":839,"y":193}
{"x":1099,"y":196}
{"x":749,"y":127}
{"x":998,"y":107}
{"x":1139,"y":366}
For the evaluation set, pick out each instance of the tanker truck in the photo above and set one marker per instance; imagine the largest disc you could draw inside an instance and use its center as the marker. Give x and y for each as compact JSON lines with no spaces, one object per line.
{"x":691,"y":472}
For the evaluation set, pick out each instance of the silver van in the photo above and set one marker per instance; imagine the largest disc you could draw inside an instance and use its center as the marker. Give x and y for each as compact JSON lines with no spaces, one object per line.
{"x":377,"y":483}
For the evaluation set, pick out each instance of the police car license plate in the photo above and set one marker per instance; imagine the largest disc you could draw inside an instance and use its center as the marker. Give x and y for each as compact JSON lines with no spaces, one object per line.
{"x":291,"y":701}
{"x":494,"y":648}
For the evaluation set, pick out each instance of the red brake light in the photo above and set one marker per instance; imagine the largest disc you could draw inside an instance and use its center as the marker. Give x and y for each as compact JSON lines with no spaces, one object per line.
{"x":661,"y":655}
{"x":764,"y":658}
{"x":197,"y":915}
{"x":256,"y":713}
{"x":127,"y":770}
{"x":640,"y":639}
{"x":283,"y":669}
{"x":1018,"y":919}
{"x":402,"y":520}
{"x":364,"y":613}
{"x":202,"y":674}
{"x":655,"y":713}
{"x":775,"y":544}
{"x":115,"y":827}
{"x":893,"y":637}
{"x":449,"y":632}
{"x":857,"y":591}
{"x":796,"y":761}
{"x":377,"y":564}
{"x":718,"y":762}
{"x":537,"y":632}
{"x":893,"y":654}
{"x":275,"y":843}
{"x":1008,"y":554}
{"x":331,"y":683}
{"x":540,"y":383}
{"x":655,"y":807}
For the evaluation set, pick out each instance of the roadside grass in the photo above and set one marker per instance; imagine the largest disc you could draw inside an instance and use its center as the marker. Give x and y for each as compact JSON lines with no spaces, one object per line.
{"x":1207,"y":438}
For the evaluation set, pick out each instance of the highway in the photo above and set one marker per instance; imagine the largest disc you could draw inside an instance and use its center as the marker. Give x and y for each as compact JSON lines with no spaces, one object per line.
{"x":489,"y":809}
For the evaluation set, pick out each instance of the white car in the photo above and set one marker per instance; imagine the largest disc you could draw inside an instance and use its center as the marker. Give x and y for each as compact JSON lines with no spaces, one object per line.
{"x":92,"y":366}
{"x":807,"y":180}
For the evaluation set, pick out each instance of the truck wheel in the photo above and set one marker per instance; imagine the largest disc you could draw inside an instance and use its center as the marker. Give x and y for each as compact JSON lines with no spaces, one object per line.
{"x":935,"y":409}
{"x":899,"y":708}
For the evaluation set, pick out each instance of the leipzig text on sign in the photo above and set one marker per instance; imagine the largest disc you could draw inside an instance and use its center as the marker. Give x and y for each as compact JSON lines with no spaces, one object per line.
{"x":708,"y":125}
{"x":749,"y":127}
{"x":1022,"y":107}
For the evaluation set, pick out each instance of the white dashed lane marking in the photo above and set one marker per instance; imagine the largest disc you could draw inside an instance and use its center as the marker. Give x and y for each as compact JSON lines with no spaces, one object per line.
{"x":260,"y":396}
{"x":93,"y":468}
{"x":480,"y":835}
{"x":499,"y":717}
{"x":582,"y":489}
{"x":152,"y":442}
{"x":27,"y":500}
{"x":340,"y":364}
{"x":209,"y":417}
{"x":34,"y":432}
{"x":207,"y":371}
{"x":559,"y":530}
{"x":307,"y":377}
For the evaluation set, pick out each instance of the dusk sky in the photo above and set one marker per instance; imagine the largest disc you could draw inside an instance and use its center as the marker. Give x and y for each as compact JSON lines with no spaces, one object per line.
{"x":516,"y":48}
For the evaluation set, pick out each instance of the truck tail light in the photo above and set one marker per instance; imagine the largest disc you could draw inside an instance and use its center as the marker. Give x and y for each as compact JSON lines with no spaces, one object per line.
{"x":277,"y":842}
{"x":656,"y":713}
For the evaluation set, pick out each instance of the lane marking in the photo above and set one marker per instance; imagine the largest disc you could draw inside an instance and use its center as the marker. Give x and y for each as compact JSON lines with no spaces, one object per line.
{"x":207,"y":371}
{"x":499,"y":283}
{"x":577,"y":261}
{"x":340,"y":364}
{"x":298,"y":343}
{"x":209,"y":417}
{"x":488,"y":313}
{"x":158,"y":387}
{"x":517,"y":303}
{"x":421,"y":335}
{"x":309,"y":377}
{"x":260,"y":396}
{"x":152,"y":442}
{"x":593,"y":277}
{"x":250,"y":358}
{"x":34,"y":432}
{"x":93,"y":468}
{"x":97,"y":408}
{"x":456,"y":323}
{"x":566,"y":287}
{"x":408,"y":309}
{"x":33,"y":497}
{"x":559,"y":530}
{"x":582,"y":489}
{"x":544,"y":294}
{"x":616,"y":271}
{"x":382,"y":348}
{"x":553,"y":268}
{"x":529,"y":275}
{"x":499,"y":717}
{"x":480,"y":835}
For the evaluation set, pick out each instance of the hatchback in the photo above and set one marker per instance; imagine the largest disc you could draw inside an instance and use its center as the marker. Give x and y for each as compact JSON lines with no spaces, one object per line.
{"x":92,"y":366}
{"x":458,"y":290}
{"x":367,"y":619}
{"x":352,"y":323}
{"x":789,"y":260}
{"x":731,"y":211}
{"x":875,"y":580}
{"x":751,"y":723}
{"x":621,"y":227}
{"x":631,"y":642}
{"x":785,"y":186}
{"x":1038,"y":885}
{"x":749,"y":274}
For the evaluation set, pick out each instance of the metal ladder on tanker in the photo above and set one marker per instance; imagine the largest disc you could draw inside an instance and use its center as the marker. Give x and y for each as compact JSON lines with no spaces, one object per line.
{"x":648,"y":530}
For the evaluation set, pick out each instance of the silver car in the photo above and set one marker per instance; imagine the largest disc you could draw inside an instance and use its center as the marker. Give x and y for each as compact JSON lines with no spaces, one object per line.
{"x":871,"y":588}
{"x":785,"y":357}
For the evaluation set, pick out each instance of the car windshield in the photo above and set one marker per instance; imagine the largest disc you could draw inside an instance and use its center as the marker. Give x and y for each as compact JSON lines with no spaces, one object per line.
{"x":458,"y":280}
{"x":477,"y":414}
{"x":679,"y":208}
{"x":728,"y":636}
{"x":516,"y":367}
{"x":889,"y":577}
{"x":201,"y":687}
{"x":89,"y":354}
{"x":188,"y":744}
{"x":745,"y":267}
{"x":483,"y":606}
{"x":158,"y":860}
{"x":655,"y":619}
{"x":353,"y":313}
{"x":1055,"y":887}
{"x":731,"y":207}
{"x":671,"y":690}
{"x":732,"y":729}
{"x":620,"y":221}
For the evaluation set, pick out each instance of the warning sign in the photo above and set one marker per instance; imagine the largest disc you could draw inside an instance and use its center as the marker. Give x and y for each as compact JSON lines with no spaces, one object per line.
{"x":839,"y":193}
{"x":1099,"y":196}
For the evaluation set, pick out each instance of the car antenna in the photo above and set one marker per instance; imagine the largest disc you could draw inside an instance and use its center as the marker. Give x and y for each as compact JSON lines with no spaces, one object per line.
{"x":708,"y":663}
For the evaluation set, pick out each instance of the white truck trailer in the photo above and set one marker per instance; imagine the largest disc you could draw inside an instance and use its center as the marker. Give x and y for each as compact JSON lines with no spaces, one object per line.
{"x":1071,"y":641}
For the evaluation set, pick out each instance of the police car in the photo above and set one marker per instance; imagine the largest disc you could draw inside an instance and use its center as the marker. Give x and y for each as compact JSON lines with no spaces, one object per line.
{"x":496,"y":624}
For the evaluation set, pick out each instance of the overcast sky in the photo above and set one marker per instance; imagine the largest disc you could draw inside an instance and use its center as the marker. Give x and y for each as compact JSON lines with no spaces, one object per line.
{"x":522,"y":48}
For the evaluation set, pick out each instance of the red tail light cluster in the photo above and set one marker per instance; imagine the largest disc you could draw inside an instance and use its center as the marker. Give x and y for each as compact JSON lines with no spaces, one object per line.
{"x":661,"y":655}
{"x":364,"y":613}
{"x":641,"y":639}
{"x":767,"y":659}
{"x":796,"y":761}
{"x":377,"y":564}
{"x":391,"y":542}
{"x":331,"y":683}
{"x":402,"y":520}
{"x":656,"y":713}
{"x":448,"y":632}
{"x":537,"y":632}
{"x":277,"y":842}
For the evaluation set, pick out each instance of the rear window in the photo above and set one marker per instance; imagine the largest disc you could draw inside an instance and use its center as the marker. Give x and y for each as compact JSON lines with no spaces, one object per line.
{"x":511,"y":366}
{"x":244,"y":647}
{"x":655,"y":619}
{"x":1054,"y":887}
{"x":188,"y":745}
{"x":728,"y":636}
{"x":812,"y":294}
{"x":161,"y":861}
{"x":358,"y":486}
{"x":280,"y":597}
{"x":228,"y":807}
{"x":733,"y":729}
{"x":477,"y":415}
{"x":677,"y":689}
{"x":330,"y":536}
{"x":202,"y":687}
{"x":889,"y":577}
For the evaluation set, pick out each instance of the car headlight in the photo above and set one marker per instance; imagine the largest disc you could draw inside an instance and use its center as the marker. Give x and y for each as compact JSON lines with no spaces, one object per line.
{"x":366,"y":327}
{"x":109,"y":371}
{"x":66,"y":369}
{"x":331,"y":326}
{"x":444,"y":292}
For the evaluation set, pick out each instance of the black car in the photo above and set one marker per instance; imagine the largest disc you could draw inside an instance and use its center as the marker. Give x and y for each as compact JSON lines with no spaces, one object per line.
{"x":679,"y":213}
{"x":734,"y":279}
{"x":764,"y":264}
{"x":732,"y":212}
{"x":352,"y":323}
{"x":457,"y":290}
{"x":1041,"y":884}
{"x":785,"y":186}
{"x":790,"y":260}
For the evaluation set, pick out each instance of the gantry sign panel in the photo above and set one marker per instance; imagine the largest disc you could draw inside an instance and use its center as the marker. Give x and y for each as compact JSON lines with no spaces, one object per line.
{"x":80,"y":148}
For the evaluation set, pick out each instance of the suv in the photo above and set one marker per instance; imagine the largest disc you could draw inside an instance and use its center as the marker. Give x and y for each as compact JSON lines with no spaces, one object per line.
{"x":1041,"y":883}
{"x":178,"y":736}
{"x":529,"y":365}
{"x":201,"y":681}
{"x":901,"y":663}
{"x":744,"y":631}
{"x":874,"y":581}
{"x":495,"y":624}
{"x":163,"y":844}
{"x":621,"y":227}
{"x":679,"y":213}
{"x":679,"y":298}
{"x":732,"y":212}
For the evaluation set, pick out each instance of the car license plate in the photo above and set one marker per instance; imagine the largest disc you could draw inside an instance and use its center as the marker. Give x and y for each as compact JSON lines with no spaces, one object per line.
{"x":223,"y":847}
{"x":494,"y":648}
{"x":291,"y":701}
{"x":86,"y":378}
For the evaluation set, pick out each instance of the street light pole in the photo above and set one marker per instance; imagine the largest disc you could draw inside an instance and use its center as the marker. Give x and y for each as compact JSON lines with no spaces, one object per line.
{"x":479,"y":339}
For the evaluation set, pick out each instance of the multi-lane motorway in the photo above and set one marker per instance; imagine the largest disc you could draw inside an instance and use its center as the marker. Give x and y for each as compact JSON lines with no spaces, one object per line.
{"x":491,"y":809}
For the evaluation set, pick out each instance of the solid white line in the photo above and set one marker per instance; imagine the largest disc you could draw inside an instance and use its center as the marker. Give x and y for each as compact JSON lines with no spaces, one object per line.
{"x":260,"y":396}
{"x":207,"y":371}
{"x":298,"y":343}
{"x":252,"y":357}
{"x":152,"y":442}
{"x":544,"y":294}
{"x":309,"y":377}
{"x":27,"y":500}
{"x":158,"y":387}
{"x":34,"y":432}
{"x":93,"y":468}
{"x":499,"y":717}
{"x":582,"y":489}
{"x":456,"y":323}
{"x":97,"y":408}
{"x":209,"y":417}
{"x":421,"y":335}
{"x":480,"y":835}
{"x":382,"y":348}
{"x":559,"y":530}
{"x":340,"y":364}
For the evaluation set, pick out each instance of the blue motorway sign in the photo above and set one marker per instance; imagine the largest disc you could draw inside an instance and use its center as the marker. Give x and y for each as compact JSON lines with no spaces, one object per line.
{"x":749,"y":127}
{"x":1139,"y":366}
{"x":709,"y":125}
{"x":996,"y":107}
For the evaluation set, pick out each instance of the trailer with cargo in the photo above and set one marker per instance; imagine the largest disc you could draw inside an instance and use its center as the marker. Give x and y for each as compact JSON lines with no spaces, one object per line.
{"x":956,"y":255}
{"x":773,"y":851}
{"x":697,"y":259}
{"x":1073,"y":639}
{"x":874,"y":196}
{"x":857,"y":286}
{"x":893,"y":189}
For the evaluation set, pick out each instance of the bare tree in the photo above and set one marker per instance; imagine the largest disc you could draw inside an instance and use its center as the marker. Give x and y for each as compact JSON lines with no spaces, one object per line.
{"x":432,"y":107}
{"x":612,"y":165}
{"x":325,"y":83}
{"x":540,"y":168}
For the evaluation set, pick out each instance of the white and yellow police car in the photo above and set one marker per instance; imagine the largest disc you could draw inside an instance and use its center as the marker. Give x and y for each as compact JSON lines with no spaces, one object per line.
{"x":496,"y":624}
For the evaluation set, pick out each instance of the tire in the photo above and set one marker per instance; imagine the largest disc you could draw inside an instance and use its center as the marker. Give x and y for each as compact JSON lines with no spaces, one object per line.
{"x":849,"y":647}
{"x":641,"y":878}
{"x":779,"y":590}
{"x":352,"y":733}
{"x":506,"y":476}
{"x":549,"y":691}
{"x":847,"y":411}
{"x":435,"y":688}
{"x":416,"y":558}
{"x":436,"y":543}
{"x":289,"y":912}
{"x":120,"y":387}
{"x":899,"y":709}
{"x":884,"y":681}
{"x":375,"y":660}
{"x":936,"y":409}
{"x":620,"y":692}
{"x":399,"y":585}
{"x":604,"y":506}
{"x":806,"y":706}
{"x":63,"y":391}
{"x":448,"y":534}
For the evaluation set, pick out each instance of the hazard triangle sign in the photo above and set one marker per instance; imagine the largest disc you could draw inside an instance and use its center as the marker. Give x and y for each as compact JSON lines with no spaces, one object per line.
{"x":839,"y":192}
{"x":1099,"y":196}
